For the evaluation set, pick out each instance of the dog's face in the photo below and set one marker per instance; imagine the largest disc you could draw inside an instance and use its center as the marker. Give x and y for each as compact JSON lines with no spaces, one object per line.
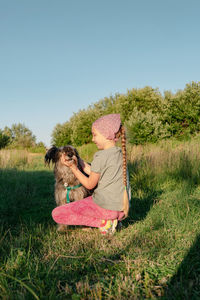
{"x":70,"y":153}
{"x":54,"y":154}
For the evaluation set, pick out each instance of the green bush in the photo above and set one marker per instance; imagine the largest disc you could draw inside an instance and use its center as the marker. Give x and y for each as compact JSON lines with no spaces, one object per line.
{"x":143,"y":99}
{"x":4,"y":140}
{"x":182,"y":111}
{"x":62,"y":134}
{"x":87,"y":152}
{"x":81,"y":127}
{"x":77,"y":131}
{"x":149,"y":116}
{"x":145,"y":127}
{"x":39,"y":148}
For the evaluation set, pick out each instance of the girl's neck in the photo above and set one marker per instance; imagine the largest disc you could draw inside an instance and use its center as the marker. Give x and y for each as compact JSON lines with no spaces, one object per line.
{"x":109,"y":144}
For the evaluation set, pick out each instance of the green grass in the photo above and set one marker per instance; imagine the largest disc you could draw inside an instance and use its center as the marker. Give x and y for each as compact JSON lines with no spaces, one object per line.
{"x":154,"y":256}
{"x":87,"y":151}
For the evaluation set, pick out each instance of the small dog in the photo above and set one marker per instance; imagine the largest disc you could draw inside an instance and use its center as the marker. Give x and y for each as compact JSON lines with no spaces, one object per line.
{"x":67,"y":187}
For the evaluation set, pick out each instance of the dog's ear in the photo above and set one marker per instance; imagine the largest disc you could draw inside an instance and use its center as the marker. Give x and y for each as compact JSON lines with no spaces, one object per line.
{"x":78,"y":160}
{"x":51,"y":155}
{"x":76,"y":153}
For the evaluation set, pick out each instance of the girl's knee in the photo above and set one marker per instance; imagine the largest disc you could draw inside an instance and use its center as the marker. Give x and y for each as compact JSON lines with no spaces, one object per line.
{"x":55,"y":212}
{"x":60,"y":212}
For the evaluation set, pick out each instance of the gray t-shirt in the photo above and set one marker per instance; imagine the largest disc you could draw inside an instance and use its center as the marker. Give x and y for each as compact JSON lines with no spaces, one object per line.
{"x":110,"y":189}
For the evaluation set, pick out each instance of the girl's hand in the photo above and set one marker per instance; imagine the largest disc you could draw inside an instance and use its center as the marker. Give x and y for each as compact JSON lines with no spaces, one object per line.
{"x":69,"y":163}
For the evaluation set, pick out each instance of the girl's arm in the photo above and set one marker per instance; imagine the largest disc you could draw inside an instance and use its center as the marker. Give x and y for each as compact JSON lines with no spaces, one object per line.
{"x":88,"y":182}
{"x":86,"y":167}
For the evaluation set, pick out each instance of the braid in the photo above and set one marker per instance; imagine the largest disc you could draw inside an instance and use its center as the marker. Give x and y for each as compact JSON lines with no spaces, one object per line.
{"x":122,"y":133}
{"x":123,"y":142}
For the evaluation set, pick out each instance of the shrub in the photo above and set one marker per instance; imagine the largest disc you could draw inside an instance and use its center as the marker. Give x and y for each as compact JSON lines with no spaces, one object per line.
{"x":39,"y":148}
{"x":143,"y":99}
{"x":182,"y":111}
{"x":81,"y":127}
{"x":62,"y":134}
{"x":149,"y":116}
{"x":145,"y":127}
{"x":4,"y":140}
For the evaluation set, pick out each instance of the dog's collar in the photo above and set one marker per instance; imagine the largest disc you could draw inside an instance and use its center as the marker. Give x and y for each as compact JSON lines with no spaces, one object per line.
{"x":69,"y":188}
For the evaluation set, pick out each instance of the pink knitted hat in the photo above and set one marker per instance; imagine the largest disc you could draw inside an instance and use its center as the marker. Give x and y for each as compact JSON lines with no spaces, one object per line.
{"x":108,"y":125}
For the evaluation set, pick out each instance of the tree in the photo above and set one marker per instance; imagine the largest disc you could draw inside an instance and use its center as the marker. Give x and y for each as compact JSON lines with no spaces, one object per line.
{"x":7,"y":131}
{"x":143,"y":99}
{"x":152,"y":116}
{"x":61,"y":134}
{"x":182,"y":110}
{"x":20,"y":136}
{"x":4,"y":140}
{"x":105,"y":106}
{"x":81,"y":127}
{"x":145,"y":127}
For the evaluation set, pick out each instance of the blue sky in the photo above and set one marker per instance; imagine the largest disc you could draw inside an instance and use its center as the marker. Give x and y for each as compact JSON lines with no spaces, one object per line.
{"x":57,"y":57}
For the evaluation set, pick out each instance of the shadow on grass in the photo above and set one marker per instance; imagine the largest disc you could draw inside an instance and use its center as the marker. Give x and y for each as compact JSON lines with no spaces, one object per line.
{"x":26,"y":196}
{"x":185,"y":284}
{"x":145,"y":192}
{"x":29,"y":196}
{"x":186,"y":171}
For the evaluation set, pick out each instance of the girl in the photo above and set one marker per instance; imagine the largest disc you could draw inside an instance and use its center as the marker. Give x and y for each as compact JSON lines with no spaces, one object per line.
{"x":108,"y":173}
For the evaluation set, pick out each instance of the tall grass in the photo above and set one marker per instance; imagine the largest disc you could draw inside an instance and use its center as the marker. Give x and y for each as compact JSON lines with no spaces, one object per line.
{"x":13,"y":158}
{"x":87,"y":151}
{"x":154,"y":256}
{"x":19,"y":159}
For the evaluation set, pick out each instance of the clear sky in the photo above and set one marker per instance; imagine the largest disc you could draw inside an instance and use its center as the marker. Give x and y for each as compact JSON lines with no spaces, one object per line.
{"x":60,"y":56}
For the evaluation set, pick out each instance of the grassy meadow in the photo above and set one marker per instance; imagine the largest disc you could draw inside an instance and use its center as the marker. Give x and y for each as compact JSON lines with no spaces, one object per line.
{"x":156,"y":254}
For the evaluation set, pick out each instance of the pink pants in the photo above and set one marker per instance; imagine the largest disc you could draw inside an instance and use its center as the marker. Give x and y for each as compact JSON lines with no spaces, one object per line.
{"x":84,"y":212}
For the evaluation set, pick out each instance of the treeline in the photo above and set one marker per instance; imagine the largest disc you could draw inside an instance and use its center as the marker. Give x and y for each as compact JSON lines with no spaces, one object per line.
{"x":148,"y":116}
{"x":18,"y":136}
